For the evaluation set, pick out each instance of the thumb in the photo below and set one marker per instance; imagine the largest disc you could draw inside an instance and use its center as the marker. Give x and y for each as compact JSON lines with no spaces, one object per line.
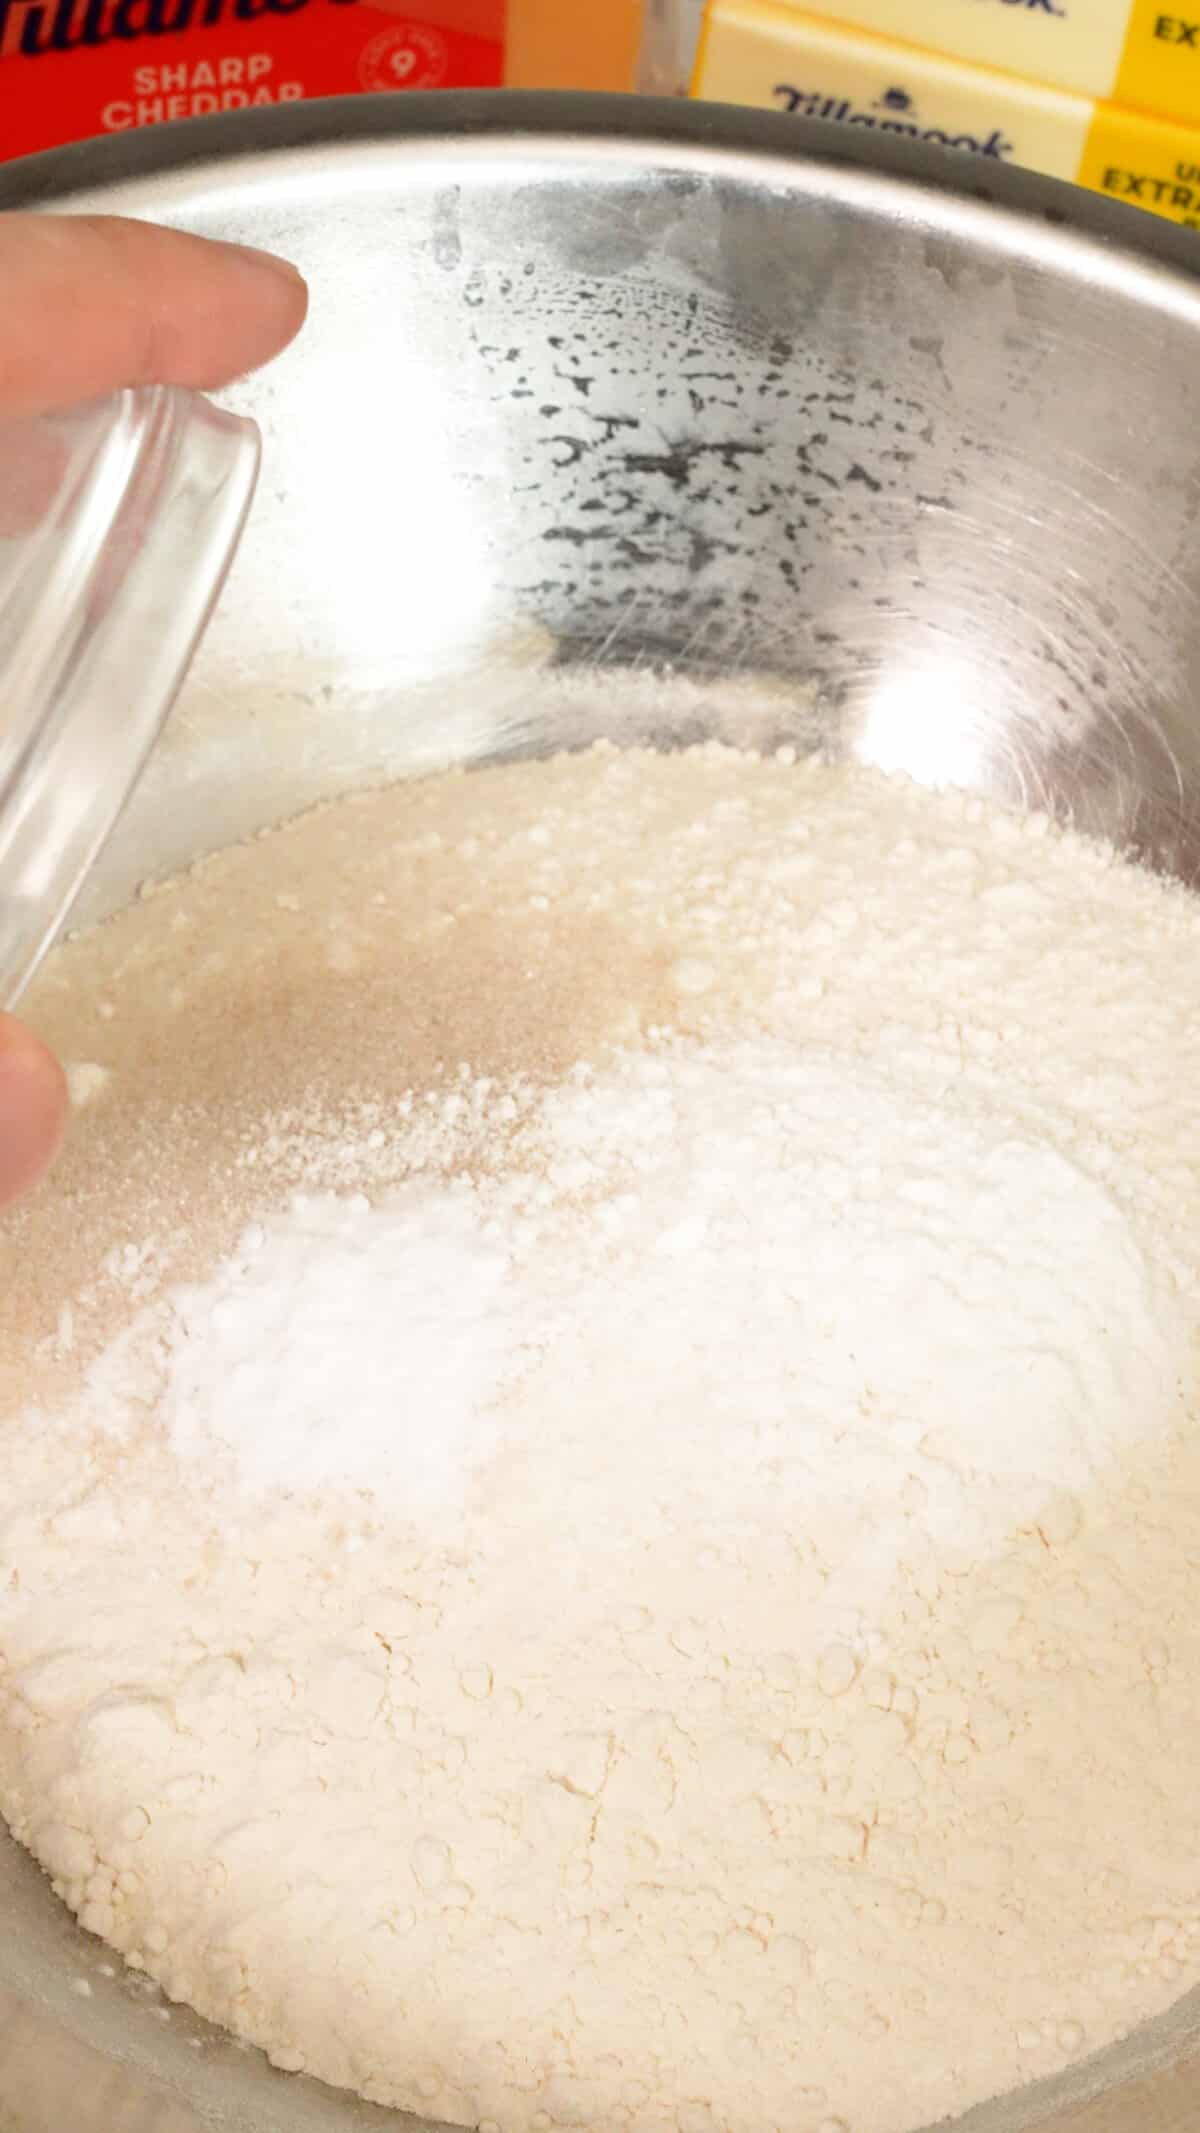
{"x":33,"y":1108}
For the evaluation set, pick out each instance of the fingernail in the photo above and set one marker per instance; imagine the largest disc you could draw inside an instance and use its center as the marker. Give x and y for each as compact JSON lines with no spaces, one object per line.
{"x":256,"y":258}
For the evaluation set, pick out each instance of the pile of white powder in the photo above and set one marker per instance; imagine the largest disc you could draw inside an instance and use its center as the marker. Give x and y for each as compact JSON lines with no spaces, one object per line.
{"x":646,"y":1544}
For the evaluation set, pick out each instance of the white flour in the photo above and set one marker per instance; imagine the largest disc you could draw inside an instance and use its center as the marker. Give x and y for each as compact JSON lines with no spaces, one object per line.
{"x":626,"y":1617}
{"x":785,"y":1273}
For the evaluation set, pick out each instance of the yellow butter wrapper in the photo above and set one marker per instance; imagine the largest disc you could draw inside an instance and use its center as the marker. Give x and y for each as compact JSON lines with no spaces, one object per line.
{"x":770,"y":54}
{"x":1143,"y":53}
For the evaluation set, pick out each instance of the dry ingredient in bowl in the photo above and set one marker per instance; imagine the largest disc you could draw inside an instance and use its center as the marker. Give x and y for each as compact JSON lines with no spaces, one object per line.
{"x":637,"y":1539}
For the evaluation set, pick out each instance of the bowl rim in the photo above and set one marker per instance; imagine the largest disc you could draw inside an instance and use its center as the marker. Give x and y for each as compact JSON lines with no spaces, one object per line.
{"x":579,"y":118}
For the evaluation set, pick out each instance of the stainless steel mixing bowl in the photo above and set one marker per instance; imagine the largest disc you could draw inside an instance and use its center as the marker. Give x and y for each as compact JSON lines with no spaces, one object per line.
{"x":881,"y":464}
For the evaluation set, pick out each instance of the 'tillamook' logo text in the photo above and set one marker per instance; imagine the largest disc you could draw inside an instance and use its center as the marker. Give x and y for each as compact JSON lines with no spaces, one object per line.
{"x":31,"y":28}
{"x":894,"y":112}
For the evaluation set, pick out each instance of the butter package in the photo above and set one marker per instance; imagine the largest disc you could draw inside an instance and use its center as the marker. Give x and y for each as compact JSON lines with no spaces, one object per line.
{"x":769,"y":54}
{"x":1141,"y":53}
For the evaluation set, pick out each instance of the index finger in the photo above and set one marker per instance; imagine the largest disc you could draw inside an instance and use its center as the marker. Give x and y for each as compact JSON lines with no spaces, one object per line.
{"x":91,"y":302}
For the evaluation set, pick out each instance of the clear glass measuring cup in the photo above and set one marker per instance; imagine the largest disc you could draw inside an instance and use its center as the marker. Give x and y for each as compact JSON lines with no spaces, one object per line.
{"x":118,"y":522}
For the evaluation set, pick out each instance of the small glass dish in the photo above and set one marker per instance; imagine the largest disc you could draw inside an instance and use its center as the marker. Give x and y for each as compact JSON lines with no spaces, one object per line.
{"x":118,"y":522}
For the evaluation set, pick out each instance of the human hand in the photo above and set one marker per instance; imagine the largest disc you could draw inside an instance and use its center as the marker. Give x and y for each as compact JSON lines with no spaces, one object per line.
{"x":89,"y":303}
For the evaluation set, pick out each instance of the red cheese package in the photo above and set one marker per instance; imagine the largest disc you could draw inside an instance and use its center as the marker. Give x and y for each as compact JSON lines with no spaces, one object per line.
{"x":71,"y":69}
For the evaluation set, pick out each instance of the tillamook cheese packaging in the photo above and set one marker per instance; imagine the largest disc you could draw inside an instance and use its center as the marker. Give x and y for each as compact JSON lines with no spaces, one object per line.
{"x":1144,"y":54}
{"x":775,"y":56}
{"x":73,"y":68}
